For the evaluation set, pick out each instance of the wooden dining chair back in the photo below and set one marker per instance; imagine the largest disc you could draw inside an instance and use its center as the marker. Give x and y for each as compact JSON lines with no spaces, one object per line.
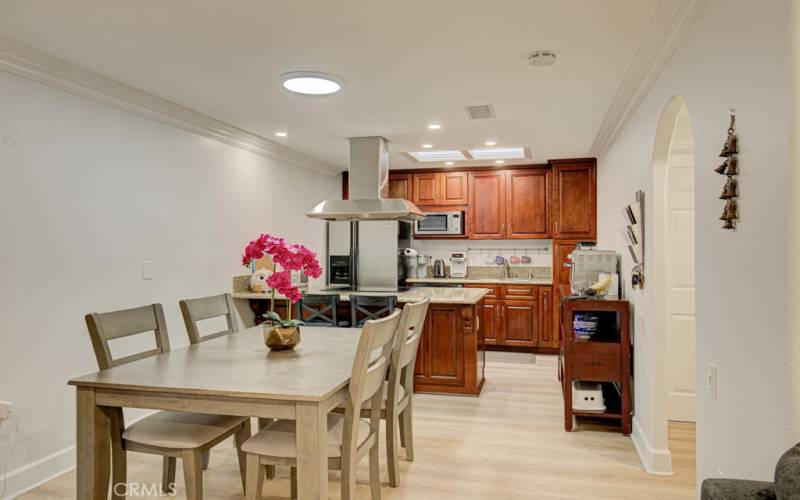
{"x":370,"y":307}
{"x":158,"y":433}
{"x":104,"y":327}
{"x":354,"y":436}
{"x":204,"y":308}
{"x":397,"y":408}
{"x":318,"y":310}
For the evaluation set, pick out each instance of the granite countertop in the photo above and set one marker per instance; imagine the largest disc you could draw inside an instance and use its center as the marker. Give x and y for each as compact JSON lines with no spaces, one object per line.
{"x":485,"y":281}
{"x":437,"y":295}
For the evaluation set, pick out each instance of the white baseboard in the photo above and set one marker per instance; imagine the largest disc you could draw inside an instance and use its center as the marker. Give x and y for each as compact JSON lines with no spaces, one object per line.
{"x":655,"y":461}
{"x":34,"y":474}
{"x":38,"y":472}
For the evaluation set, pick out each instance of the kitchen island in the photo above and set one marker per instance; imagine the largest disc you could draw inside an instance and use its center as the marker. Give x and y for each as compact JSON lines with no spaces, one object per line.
{"x":451,"y":356}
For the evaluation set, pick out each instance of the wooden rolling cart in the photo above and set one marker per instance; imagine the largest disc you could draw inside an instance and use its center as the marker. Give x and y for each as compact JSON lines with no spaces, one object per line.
{"x":605,"y":358}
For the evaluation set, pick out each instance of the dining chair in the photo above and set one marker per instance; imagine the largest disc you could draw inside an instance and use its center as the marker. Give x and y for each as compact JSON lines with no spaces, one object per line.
{"x":397,"y":405}
{"x":350,"y":437}
{"x":319,"y":310}
{"x":367,"y":307}
{"x":170,"y":434}
{"x":215,"y":306}
{"x":204,"y":308}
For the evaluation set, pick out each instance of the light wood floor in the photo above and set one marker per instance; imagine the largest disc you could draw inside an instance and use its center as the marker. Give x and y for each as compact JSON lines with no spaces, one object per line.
{"x":508,"y":444}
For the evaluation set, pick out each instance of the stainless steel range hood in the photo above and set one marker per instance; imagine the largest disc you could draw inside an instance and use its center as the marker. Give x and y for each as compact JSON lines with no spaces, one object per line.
{"x":369,"y":183}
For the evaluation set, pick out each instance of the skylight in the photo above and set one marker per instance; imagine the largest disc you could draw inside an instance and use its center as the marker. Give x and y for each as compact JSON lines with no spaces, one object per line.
{"x":498,"y":153}
{"x":439,"y":155}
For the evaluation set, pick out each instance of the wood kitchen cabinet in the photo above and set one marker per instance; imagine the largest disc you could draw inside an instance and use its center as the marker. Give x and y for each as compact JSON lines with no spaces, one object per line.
{"x":439,"y":188}
{"x":450,"y":357}
{"x":574,"y":199}
{"x":562,"y":255}
{"x":516,"y":315}
{"x":491,"y":319}
{"x":400,"y":186}
{"x":528,"y":203}
{"x":520,"y":321}
{"x":487,"y":205}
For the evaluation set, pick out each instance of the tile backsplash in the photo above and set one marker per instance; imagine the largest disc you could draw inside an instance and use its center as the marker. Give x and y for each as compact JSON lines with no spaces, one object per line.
{"x":481,"y":252}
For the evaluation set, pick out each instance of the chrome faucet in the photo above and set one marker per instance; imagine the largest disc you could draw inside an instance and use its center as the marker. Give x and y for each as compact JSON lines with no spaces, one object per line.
{"x":506,"y":269}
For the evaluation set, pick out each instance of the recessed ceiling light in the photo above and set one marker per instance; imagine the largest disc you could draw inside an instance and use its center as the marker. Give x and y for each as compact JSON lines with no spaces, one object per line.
{"x":490,"y":143}
{"x":310,"y":83}
{"x":542,"y":58}
{"x":437,"y":155}
{"x":499,"y":161}
{"x":514,"y":153}
{"x":449,"y":163}
{"x":281,"y":134}
{"x":434,"y":126}
{"x":427,"y":146}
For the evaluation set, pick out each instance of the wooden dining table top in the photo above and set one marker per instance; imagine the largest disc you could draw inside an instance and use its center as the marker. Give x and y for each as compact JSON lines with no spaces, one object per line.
{"x":240,"y":365}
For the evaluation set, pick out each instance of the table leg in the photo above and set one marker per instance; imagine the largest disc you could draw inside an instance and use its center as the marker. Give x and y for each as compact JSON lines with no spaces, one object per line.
{"x":312,"y":456}
{"x":93,"y":441}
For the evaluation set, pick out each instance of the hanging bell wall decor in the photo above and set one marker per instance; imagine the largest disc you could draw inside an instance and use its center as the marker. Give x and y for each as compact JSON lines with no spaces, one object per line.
{"x":730,"y":189}
{"x":730,"y":168}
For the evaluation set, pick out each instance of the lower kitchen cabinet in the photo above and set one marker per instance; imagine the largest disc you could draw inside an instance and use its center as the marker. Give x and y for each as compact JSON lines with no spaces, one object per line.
{"x":520,"y":323}
{"x":450,"y":358}
{"x":491,"y":319}
{"x":518,"y":316}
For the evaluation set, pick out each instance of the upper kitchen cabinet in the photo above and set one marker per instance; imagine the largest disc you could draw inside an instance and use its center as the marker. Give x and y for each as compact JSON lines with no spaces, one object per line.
{"x":400,"y":186}
{"x":439,"y":188}
{"x":575,"y":199}
{"x":528,"y":203}
{"x":487,"y":205}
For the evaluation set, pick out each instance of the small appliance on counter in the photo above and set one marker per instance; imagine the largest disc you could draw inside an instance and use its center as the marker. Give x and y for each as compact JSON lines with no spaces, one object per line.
{"x":458,"y":265}
{"x":406,"y":265}
{"x":439,"y":269}
{"x":422,"y":265}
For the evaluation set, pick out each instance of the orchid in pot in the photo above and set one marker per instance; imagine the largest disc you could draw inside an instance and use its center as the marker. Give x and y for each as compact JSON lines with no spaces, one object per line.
{"x":281,"y":333}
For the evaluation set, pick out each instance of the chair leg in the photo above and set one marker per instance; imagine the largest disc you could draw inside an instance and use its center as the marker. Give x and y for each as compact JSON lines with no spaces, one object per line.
{"x":348,"y":486}
{"x":262,"y":424}
{"x":206,"y":459}
{"x":407,"y":426}
{"x":242,"y":435}
{"x":375,"y":472}
{"x":392,"y":452}
{"x":119,"y":467}
{"x":293,"y":482}
{"x":168,"y":475}
{"x":255,"y":478}
{"x":193,"y":474}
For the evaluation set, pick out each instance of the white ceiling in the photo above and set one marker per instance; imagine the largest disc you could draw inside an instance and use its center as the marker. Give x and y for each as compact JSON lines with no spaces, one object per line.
{"x":404,"y":64}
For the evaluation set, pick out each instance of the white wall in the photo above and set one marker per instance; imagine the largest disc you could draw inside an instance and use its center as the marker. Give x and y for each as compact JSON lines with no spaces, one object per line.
{"x":736,"y":56}
{"x":87,"y":192}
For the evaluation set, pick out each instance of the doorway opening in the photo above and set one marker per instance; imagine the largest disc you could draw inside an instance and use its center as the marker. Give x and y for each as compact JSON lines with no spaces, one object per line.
{"x":674,"y":285}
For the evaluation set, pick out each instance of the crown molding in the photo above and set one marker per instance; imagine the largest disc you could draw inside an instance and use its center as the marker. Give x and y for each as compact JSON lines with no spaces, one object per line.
{"x":668,"y":24}
{"x":49,"y":70}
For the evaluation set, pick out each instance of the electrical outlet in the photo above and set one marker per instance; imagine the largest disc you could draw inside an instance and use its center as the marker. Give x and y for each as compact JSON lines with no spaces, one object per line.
{"x":711,"y":381}
{"x":147,"y":269}
{"x":5,"y":409}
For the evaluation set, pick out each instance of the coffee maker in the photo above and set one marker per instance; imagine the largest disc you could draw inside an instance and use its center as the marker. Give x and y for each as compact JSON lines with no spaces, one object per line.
{"x":458,"y":265}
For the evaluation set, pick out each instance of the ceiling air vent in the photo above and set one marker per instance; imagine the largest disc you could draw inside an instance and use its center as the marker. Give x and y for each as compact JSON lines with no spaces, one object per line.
{"x":480,"y":112}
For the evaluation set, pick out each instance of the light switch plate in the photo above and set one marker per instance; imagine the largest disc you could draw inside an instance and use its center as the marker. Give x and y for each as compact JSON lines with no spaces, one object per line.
{"x":641,"y":326}
{"x":712,"y":381}
{"x":147,"y":269}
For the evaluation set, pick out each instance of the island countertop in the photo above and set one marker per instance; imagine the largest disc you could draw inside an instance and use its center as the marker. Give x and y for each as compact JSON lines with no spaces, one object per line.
{"x":436,"y":294}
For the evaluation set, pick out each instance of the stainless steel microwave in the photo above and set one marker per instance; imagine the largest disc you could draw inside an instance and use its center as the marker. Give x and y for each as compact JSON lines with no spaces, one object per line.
{"x":444,"y":223}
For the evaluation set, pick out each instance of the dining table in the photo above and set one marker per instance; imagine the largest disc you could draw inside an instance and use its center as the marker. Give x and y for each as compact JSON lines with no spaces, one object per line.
{"x":231,"y":375}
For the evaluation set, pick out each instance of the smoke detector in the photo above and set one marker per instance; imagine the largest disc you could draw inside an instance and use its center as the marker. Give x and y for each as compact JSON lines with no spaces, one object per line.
{"x":542,"y":58}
